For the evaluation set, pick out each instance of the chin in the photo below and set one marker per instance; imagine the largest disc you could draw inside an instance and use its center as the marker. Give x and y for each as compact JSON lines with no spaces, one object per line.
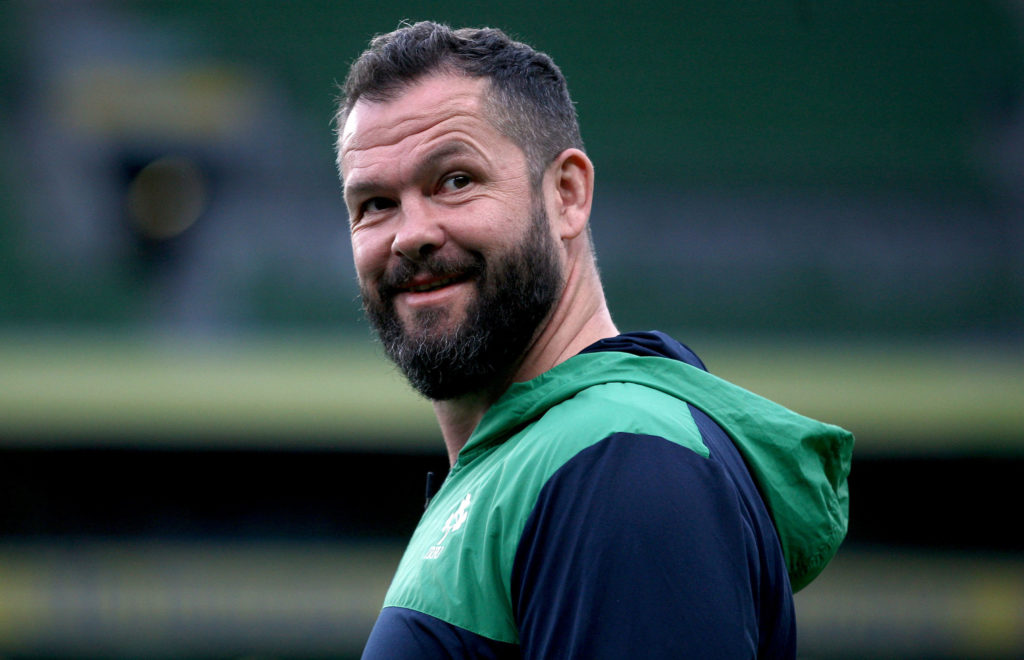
{"x":432,"y":323}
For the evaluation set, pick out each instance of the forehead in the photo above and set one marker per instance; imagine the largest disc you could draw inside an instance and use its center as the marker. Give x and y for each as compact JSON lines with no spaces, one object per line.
{"x":430,"y":107}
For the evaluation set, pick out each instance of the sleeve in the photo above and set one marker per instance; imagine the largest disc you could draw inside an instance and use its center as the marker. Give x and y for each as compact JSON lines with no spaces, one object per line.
{"x":637,"y":547}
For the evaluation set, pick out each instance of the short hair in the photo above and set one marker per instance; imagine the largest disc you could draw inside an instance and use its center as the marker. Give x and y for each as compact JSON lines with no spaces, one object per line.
{"x":528,"y":99}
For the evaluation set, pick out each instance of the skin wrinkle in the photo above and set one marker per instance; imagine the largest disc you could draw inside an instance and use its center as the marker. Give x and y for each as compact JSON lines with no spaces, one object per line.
{"x":438,"y":160}
{"x":496,"y":107}
{"x":358,"y":190}
{"x":371,"y":159}
{"x":453,"y":108}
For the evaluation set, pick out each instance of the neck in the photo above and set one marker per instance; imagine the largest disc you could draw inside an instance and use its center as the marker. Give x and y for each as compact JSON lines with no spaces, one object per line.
{"x":458,"y":418}
{"x":579,"y":318}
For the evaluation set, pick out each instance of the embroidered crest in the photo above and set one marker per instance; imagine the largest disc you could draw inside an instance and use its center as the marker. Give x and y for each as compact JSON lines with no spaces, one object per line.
{"x":455,"y":522}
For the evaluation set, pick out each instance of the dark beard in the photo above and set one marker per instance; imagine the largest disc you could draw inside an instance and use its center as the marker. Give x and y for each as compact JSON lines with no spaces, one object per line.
{"x":514,"y":295}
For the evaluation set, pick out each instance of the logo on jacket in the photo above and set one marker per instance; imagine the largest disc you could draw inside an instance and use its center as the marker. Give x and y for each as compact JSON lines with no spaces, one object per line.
{"x":453,"y":524}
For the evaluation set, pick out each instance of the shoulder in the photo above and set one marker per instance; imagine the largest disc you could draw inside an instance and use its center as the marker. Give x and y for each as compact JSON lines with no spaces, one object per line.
{"x":641,"y":524}
{"x":584,"y":425}
{"x":524,"y":464}
{"x":601,"y":410}
{"x":648,"y":507}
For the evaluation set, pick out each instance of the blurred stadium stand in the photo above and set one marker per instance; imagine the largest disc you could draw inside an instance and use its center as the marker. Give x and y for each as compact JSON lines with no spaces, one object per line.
{"x":203,"y":455}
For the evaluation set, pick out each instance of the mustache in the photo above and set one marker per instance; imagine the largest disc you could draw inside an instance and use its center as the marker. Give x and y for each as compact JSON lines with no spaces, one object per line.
{"x":397,"y":278}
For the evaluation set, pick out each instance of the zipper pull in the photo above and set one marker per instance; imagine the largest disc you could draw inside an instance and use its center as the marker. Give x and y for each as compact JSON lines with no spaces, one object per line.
{"x":432,"y":487}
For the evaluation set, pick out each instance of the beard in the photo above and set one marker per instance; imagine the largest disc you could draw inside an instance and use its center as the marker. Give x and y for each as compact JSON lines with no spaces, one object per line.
{"x":515,"y":292}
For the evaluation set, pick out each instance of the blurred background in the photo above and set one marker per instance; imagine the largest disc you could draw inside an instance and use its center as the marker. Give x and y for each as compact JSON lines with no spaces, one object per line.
{"x":202,"y":452}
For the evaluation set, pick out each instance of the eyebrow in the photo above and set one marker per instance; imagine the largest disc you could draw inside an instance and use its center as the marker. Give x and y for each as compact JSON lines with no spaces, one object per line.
{"x":442,"y":153}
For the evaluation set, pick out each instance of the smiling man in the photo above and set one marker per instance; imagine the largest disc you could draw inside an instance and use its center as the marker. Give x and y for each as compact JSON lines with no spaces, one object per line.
{"x":607,"y":495}
{"x":430,"y":180}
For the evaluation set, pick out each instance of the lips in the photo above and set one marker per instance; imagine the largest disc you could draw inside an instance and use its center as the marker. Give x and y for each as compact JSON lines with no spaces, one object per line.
{"x":431,"y":275}
{"x":432,"y":285}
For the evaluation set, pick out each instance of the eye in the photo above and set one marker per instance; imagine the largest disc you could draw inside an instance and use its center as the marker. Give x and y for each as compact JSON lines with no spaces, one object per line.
{"x":376,"y":204}
{"x":455,"y":182}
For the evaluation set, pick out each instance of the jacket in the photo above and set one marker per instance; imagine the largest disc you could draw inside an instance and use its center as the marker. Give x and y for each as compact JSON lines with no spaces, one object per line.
{"x":626,"y":502}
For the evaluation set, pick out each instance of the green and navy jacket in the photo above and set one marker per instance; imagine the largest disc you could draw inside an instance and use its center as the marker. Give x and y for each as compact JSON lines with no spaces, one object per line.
{"x":626,"y":503}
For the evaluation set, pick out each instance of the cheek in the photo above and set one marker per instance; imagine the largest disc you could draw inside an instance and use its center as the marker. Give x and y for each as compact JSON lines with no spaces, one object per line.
{"x":370,"y":256}
{"x":496,"y":228}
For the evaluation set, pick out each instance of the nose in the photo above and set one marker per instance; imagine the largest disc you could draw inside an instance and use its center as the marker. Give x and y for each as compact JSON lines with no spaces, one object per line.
{"x":419,"y":233}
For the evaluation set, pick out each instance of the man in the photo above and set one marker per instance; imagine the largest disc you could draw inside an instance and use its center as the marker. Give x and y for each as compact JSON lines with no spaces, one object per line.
{"x":607,"y":496}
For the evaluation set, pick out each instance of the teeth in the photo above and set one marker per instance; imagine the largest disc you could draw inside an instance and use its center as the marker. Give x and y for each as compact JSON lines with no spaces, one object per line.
{"x":433,"y":285}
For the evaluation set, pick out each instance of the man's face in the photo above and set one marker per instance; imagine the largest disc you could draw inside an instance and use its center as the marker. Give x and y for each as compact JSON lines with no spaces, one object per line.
{"x":456,"y":261}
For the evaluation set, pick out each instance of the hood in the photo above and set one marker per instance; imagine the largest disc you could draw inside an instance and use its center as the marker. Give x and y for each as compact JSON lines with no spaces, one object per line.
{"x":800,"y":465}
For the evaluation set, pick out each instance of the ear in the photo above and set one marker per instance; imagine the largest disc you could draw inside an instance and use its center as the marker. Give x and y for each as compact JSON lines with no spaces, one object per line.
{"x":572,"y":180}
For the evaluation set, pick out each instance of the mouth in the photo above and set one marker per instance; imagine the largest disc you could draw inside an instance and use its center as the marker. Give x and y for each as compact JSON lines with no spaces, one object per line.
{"x":433,"y":285}
{"x":425,"y":282}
